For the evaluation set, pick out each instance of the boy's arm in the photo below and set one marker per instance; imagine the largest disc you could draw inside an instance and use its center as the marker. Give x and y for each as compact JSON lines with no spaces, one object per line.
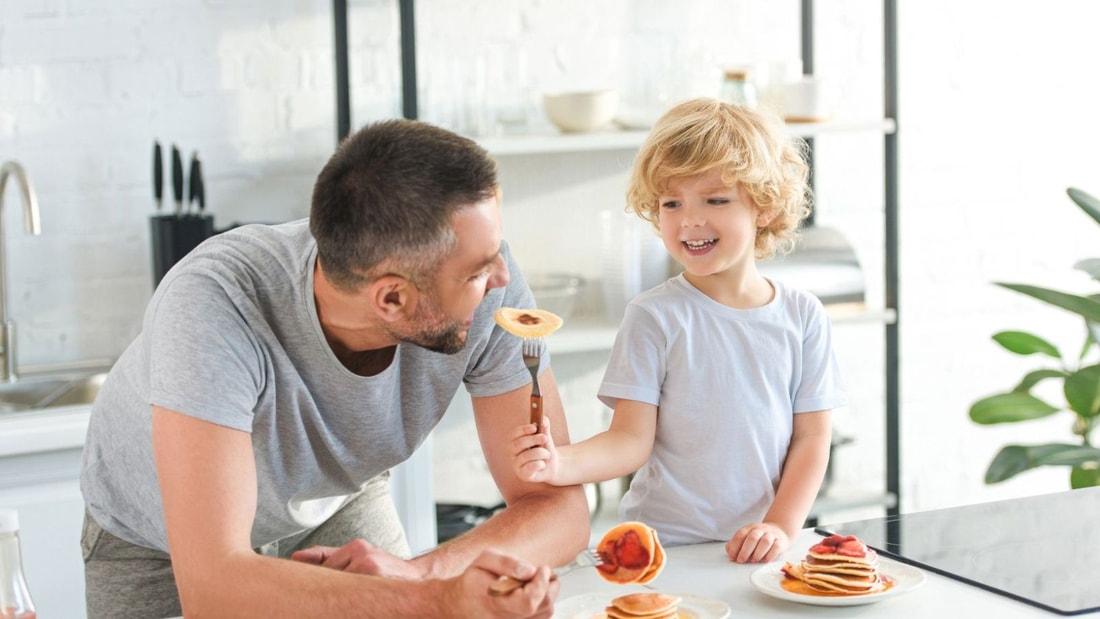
{"x":621,"y":449}
{"x":803,"y":471}
{"x":542,"y":523}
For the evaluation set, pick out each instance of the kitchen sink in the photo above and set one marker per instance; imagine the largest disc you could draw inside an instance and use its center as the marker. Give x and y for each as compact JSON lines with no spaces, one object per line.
{"x":33,"y":393}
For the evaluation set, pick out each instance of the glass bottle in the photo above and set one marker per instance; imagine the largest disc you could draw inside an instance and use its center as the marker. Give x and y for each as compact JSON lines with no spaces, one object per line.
{"x":15,"y":599}
{"x":736,"y":87}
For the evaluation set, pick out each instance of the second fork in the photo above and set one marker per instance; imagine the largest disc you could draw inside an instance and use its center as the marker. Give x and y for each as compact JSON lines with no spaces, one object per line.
{"x":587,"y":558}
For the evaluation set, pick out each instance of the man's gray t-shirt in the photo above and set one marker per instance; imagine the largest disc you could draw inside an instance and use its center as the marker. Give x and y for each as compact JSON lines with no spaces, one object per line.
{"x":231,"y":336}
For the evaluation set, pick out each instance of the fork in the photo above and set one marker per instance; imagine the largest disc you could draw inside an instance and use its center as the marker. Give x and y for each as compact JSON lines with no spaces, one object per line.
{"x":532,"y":355}
{"x":587,"y":558}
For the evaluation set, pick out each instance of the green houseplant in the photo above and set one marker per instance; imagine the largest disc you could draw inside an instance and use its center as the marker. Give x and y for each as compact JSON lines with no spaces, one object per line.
{"x":1079,"y":377}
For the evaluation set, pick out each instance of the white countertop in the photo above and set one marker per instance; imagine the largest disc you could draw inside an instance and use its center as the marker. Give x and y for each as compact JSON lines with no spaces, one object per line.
{"x":703,"y":570}
{"x":46,"y":430}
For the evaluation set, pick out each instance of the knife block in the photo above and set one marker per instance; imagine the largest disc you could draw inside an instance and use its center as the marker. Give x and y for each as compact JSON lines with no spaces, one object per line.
{"x":173,"y":236}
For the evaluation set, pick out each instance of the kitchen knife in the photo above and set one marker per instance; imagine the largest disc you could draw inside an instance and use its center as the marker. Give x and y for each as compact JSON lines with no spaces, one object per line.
{"x":177,"y":179}
{"x":158,"y":175}
{"x":192,"y":181}
{"x":200,"y":186}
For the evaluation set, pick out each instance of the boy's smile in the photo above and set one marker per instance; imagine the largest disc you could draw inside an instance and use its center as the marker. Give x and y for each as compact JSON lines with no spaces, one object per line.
{"x":700,"y":247}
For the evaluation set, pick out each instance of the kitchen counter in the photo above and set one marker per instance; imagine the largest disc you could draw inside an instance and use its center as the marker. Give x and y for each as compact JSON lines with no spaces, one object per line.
{"x":1040,"y":549}
{"x":44,"y":430}
{"x":703,"y":570}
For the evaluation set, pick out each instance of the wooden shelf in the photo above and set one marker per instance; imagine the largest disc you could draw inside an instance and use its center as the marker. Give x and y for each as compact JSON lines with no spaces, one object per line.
{"x":556,"y":142}
{"x":583,"y":334}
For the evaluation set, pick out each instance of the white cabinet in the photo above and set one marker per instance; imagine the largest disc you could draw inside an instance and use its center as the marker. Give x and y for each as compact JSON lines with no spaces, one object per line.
{"x":44,"y":488}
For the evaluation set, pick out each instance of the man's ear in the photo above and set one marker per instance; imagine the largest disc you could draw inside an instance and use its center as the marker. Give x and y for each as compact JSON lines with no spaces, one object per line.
{"x":393,"y":297}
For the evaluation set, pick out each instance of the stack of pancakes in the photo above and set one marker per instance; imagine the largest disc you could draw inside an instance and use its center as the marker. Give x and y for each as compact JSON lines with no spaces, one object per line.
{"x":631,"y":553}
{"x":643,"y":606}
{"x":839,"y":565}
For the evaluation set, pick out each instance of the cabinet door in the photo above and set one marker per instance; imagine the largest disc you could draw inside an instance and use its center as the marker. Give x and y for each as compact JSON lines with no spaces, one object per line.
{"x":45,"y":490}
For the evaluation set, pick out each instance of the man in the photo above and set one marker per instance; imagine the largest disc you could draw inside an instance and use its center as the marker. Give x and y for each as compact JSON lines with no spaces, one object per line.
{"x":283,"y":370}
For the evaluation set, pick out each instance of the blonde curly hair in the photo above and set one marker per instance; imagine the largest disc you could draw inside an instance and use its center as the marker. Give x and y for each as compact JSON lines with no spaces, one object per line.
{"x":699,"y":135}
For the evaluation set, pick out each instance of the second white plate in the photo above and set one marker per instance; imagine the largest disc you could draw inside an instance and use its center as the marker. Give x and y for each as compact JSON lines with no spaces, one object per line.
{"x":769,"y":578}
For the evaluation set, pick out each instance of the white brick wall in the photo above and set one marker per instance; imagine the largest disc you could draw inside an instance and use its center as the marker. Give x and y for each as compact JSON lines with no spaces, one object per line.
{"x":997,"y":120}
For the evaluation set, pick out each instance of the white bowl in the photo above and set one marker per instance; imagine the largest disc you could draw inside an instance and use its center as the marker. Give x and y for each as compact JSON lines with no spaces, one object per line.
{"x":556,"y":292}
{"x":577,"y":112}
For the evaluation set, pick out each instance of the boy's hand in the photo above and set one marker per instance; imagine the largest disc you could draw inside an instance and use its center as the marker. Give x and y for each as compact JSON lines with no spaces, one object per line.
{"x":759,"y":542}
{"x":534,"y":456}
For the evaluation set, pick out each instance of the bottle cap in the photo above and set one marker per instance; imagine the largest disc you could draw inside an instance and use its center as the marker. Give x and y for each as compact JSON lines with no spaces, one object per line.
{"x":9,"y":520}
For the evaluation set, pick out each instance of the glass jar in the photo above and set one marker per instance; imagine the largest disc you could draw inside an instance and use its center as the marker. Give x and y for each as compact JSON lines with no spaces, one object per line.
{"x":15,"y":599}
{"x":736,"y":87}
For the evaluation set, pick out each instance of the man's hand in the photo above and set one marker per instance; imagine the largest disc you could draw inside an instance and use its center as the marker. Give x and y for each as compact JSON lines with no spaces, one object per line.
{"x":534,"y":455}
{"x":469,"y":592}
{"x":359,"y":556}
{"x":759,"y":542}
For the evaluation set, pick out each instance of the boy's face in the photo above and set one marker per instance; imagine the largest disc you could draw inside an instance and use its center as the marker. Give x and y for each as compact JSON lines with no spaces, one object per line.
{"x":707,"y":226}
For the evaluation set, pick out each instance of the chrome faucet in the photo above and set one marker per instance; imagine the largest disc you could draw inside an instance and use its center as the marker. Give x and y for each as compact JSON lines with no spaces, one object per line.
{"x":30,"y":218}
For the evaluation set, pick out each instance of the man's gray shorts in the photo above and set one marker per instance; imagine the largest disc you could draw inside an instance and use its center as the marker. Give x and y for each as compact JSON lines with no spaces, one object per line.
{"x":126,"y":581}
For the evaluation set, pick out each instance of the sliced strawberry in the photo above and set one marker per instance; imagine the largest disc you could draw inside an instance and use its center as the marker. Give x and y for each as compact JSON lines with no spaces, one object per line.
{"x":630,"y":552}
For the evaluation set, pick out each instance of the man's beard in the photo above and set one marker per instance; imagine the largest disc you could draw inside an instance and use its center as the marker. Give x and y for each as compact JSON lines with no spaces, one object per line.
{"x":447,"y":339}
{"x":437,"y":332}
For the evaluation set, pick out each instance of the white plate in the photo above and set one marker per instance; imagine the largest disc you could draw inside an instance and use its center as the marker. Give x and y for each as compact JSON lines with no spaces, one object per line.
{"x":592,"y":605}
{"x":906,"y":578}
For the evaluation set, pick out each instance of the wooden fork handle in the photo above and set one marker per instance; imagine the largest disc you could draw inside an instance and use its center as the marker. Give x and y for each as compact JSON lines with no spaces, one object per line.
{"x":536,"y":410}
{"x":506,"y":584}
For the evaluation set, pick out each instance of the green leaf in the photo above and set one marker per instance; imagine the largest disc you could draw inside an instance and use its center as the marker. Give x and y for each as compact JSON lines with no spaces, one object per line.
{"x":1082,"y":389}
{"x":1023,"y":343}
{"x":1084,"y":478}
{"x":1092,"y":329}
{"x":1035,"y":377}
{"x":1084,"y":306}
{"x":1088,"y":203}
{"x":1012,"y":460}
{"x":1009,"y":407}
{"x":1060,"y":454}
{"x":1090,"y":266}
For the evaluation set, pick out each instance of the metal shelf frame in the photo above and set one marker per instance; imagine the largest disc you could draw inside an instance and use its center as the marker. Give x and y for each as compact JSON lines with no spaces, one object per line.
{"x":890,"y":181}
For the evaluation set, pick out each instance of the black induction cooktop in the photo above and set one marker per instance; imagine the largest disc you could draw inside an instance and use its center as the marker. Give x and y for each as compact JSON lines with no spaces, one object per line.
{"x":1042,"y":550}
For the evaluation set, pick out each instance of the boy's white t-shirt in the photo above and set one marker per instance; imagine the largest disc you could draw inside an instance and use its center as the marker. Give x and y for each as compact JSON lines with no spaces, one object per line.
{"x":727,"y":383}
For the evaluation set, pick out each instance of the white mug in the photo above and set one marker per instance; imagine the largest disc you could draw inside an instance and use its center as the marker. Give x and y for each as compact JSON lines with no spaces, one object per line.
{"x":807,"y":100}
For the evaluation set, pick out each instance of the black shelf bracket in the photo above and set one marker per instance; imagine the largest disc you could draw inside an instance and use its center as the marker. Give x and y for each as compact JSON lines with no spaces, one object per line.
{"x":340,"y":49}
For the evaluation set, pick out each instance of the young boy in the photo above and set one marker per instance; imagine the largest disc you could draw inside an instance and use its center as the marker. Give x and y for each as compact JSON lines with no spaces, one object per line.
{"x":721,"y":380}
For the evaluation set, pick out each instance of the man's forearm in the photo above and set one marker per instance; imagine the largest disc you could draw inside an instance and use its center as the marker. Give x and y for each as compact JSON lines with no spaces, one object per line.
{"x":268,"y":587}
{"x":548,"y":527}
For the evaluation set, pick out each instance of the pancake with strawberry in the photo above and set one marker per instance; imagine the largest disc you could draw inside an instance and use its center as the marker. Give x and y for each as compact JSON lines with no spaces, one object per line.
{"x":838,"y":565}
{"x":631,"y":553}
